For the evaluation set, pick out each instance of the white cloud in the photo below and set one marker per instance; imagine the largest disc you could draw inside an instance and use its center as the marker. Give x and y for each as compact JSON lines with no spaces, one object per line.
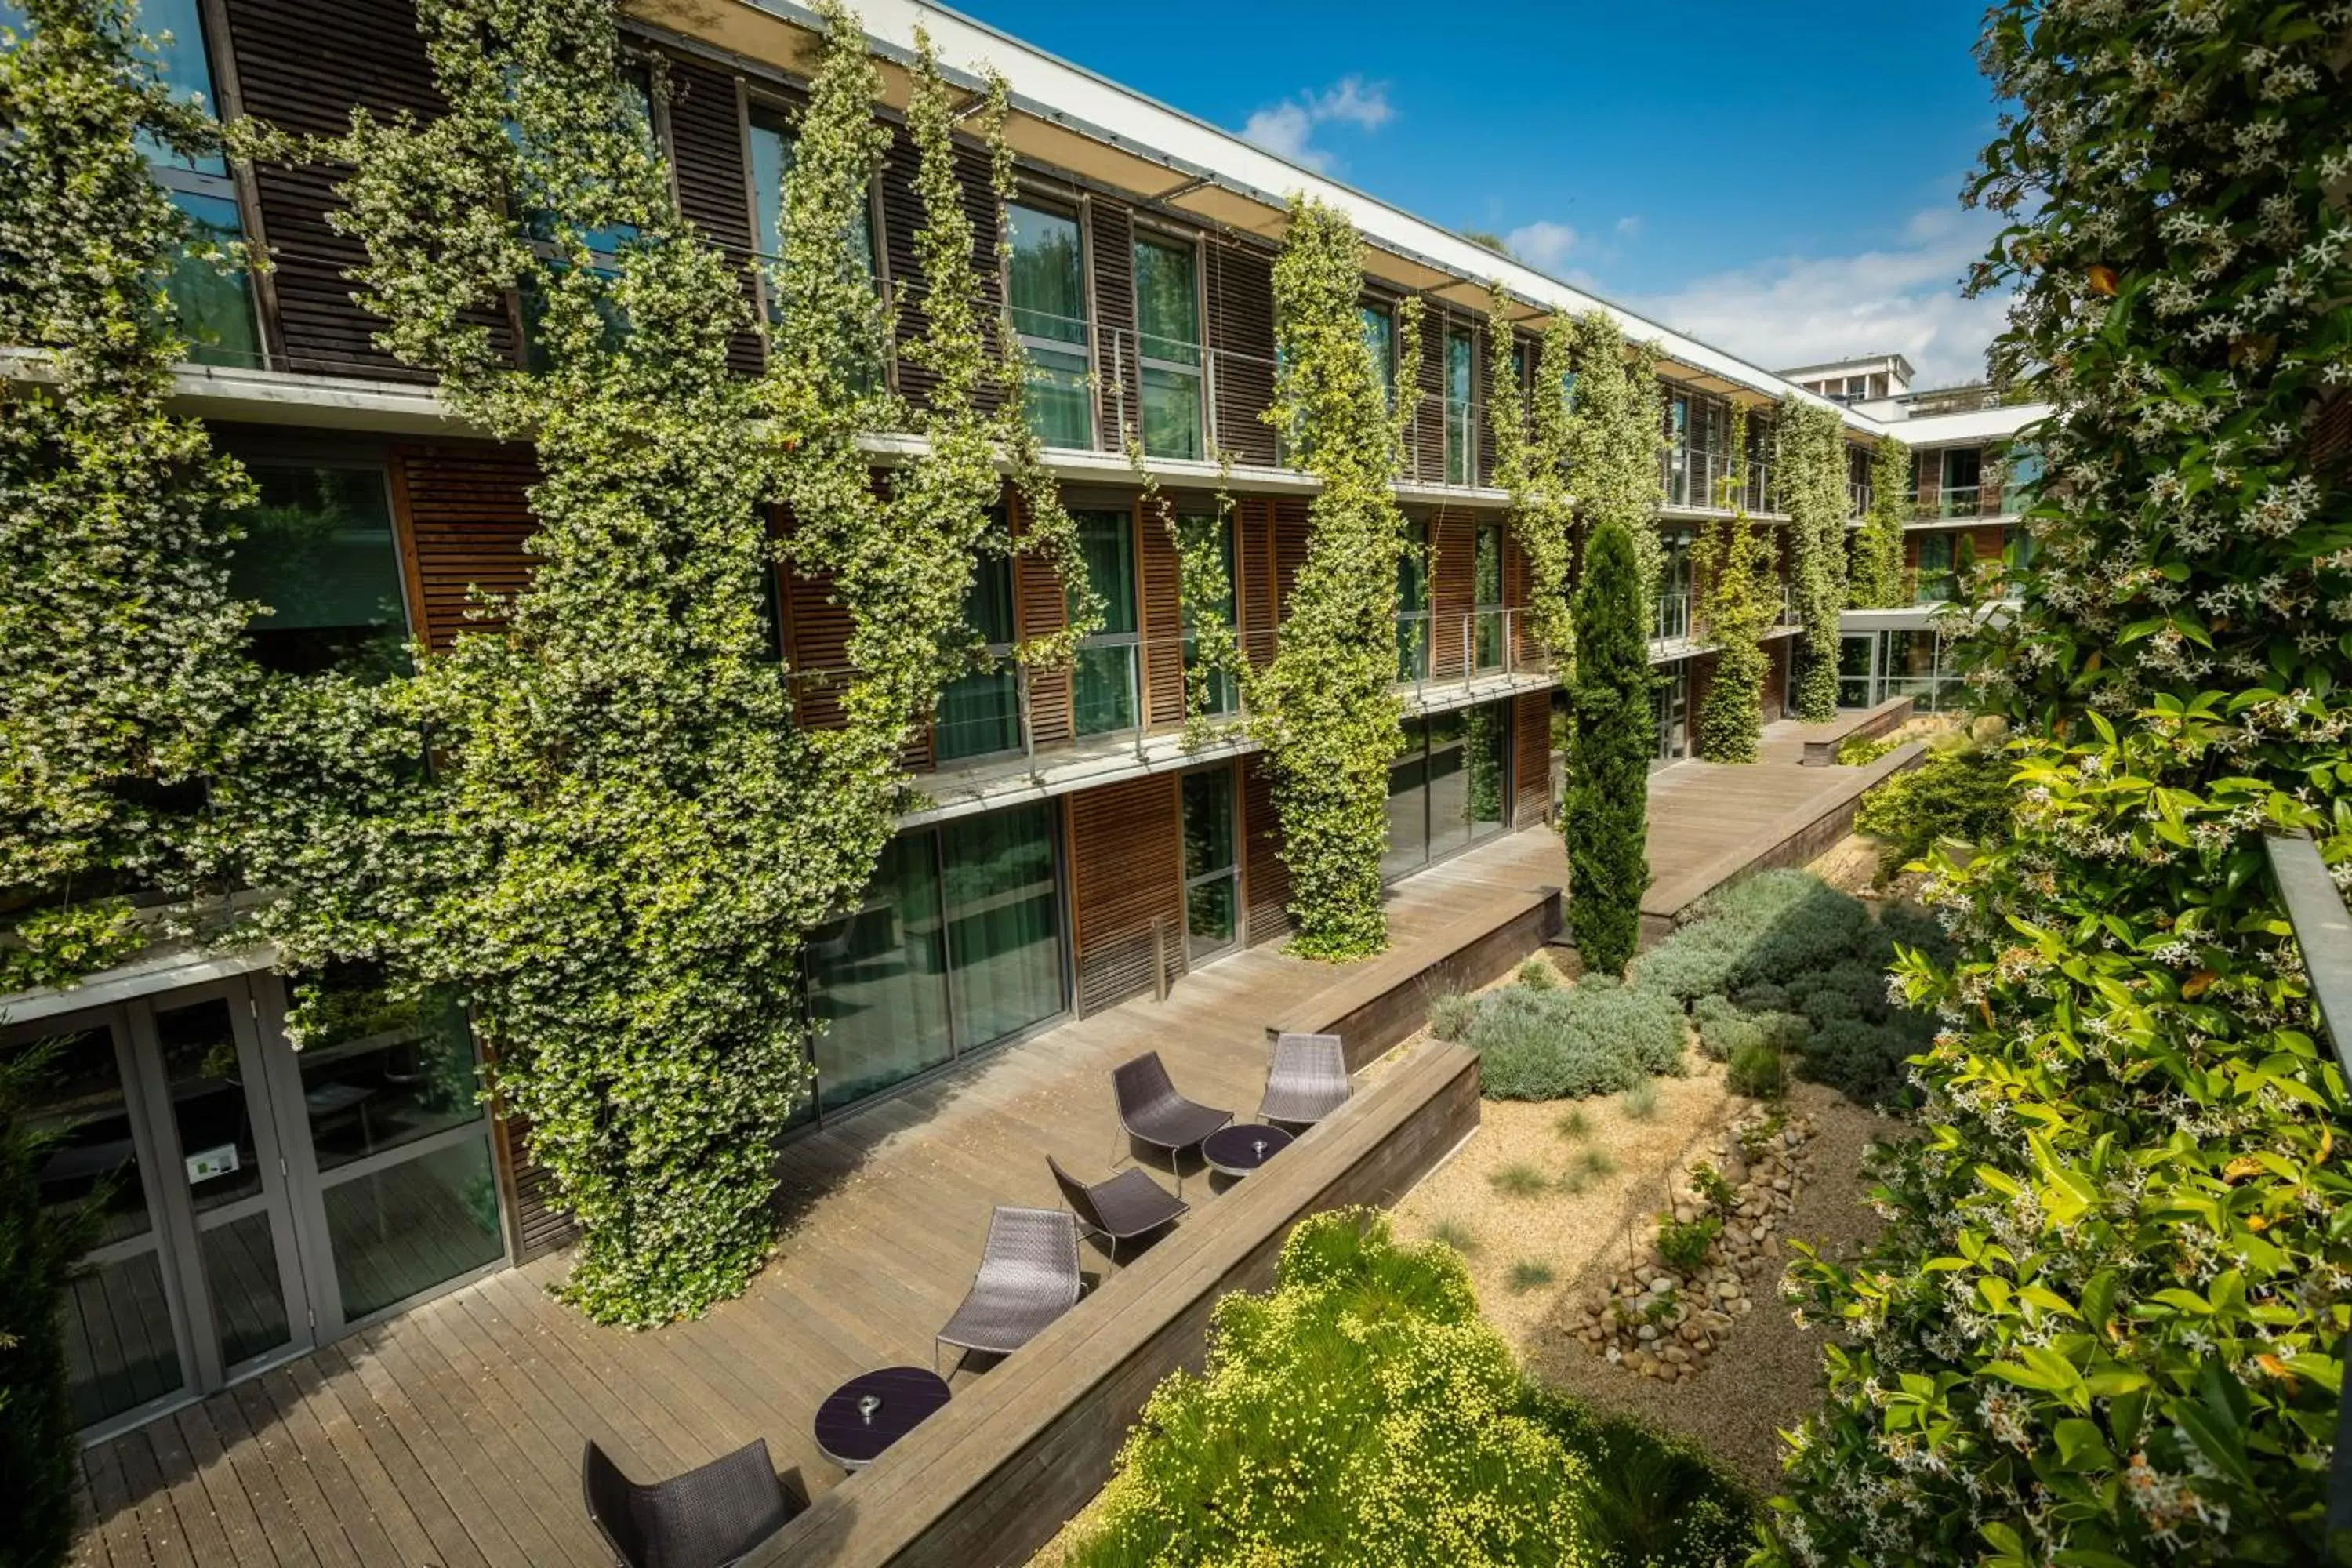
{"x":1629,"y":226}
{"x":1286,"y":129}
{"x":1800,"y":310}
{"x":1543,"y":244}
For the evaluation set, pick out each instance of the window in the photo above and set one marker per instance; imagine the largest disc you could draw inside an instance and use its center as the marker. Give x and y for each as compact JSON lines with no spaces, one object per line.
{"x":1045,"y":284}
{"x":1223,"y":697}
{"x":604,"y":243}
{"x":215,"y":310}
{"x":1936,"y":580}
{"x":1211,"y":864}
{"x":1486,"y":594}
{"x":1963,"y":466}
{"x":1104,"y":683}
{"x":1412,"y":602}
{"x":772,"y":140}
{"x":319,"y":550}
{"x":1167,"y":313}
{"x":979,"y":711}
{"x":1380,"y":337}
{"x":2025,"y":467}
{"x":1450,"y":787}
{"x":955,"y":945}
{"x":1461,"y":463}
{"x":1678,"y":451}
{"x":1674,"y":603}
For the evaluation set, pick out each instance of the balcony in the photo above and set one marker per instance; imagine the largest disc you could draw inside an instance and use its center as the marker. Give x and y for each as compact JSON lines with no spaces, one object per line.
{"x":1857,"y":500}
{"x":1956,"y":501}
{"x":1698,"y":481}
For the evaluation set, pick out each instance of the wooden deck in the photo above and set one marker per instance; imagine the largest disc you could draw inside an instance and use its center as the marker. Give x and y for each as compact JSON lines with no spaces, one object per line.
{"x":452,"y":1433}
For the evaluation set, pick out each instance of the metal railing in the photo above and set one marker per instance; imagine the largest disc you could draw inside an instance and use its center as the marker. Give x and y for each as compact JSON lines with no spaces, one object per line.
{"x":1955,"y":501}
{"x":1434,"y":652}
{"x":1704,"y":480}
{"x":1857,"y":498}
{"x":1672,"y":622}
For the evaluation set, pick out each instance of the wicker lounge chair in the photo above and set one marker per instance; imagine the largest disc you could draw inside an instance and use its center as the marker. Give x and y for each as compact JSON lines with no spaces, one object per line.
{"x":1028,"y":1277}
{"x":1307,"y":1082}
{"x":1151,"y":1108}
{"x":1128,"y":1205}
{"x":703,"y":1518}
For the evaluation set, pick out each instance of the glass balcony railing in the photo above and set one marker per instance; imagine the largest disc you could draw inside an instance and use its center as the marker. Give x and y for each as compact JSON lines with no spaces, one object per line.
{"x":1695,"y":480}
{"x":1672,"y":622}
{"x":1952,"y":500}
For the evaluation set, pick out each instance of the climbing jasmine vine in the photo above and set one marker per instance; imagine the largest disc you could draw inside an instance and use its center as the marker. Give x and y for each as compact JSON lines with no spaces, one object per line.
{"x":1875,"y":579}
{"x":1812,"y":441}
{"x":1324,"y":709}
{"x":1741,"y":599}
{"x":1532,"y":438}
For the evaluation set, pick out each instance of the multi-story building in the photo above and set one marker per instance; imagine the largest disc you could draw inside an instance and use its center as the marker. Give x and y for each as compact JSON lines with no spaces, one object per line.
{"x":1966,"y":471}
{"x":1071,"y":852}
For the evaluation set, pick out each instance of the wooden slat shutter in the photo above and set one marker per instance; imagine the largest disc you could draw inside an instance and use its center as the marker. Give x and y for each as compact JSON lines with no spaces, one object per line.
{"x":1453,"y":543}
{"x":1253,"y":548}
{"x":1530,"y":758}
{"x":902,"y":218}
{"x":1266,"y":881}
{"x":705,"y":135}
{"x":1163,"y":620}
{"x":468,"y":517}
{"x":1118,"y":379}
{"x":1240,"y":289}
{"x":1126,"y":871}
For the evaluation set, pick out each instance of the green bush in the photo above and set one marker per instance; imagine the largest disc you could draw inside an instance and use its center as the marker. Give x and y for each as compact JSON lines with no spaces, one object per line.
{"x":1361,"y":1413}
{"x":1450,"y":1016}
{"x":1655,"y":1501}
{"x":1759,"y":1072}
{"x":1767,"y":928}
{"x":1960,"y":793}
{"x":1538,"y":974}
{"x":1861,"y":751}
{"x":1865,"y":1062}
{"x":1593,"y":1037}
{"x":1683,"y":1243}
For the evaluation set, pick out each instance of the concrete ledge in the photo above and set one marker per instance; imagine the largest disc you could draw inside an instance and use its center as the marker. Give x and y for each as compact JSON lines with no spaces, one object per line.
{"x":1374,"y":1006}
{"x":990,"y":1479}
{"x":1791,"y":840}
{"x":1823,"y":741}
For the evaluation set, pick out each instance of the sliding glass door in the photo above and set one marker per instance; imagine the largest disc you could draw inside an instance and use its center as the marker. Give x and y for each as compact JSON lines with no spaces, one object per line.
{"x":956,"y":945}
{"x":1211,"y":864}
{"x":1450,"y":787}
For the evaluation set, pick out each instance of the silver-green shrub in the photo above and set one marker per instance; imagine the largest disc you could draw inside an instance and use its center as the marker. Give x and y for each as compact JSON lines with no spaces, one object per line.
{"x":1595,"y":1037}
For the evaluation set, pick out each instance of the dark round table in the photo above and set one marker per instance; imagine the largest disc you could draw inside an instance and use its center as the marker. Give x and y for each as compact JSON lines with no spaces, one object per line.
{"x":853,"y":1432}
{"x":1242,"y":1147}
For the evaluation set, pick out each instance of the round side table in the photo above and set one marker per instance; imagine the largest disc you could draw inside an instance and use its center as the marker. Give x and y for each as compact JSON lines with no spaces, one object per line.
{"x":873,"y":1410}
{"x":1238,"y":1150}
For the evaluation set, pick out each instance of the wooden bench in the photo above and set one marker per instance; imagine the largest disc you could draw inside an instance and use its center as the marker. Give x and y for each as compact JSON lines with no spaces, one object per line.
{"x":1823,"y":741}
{"x":1376,"y":1005}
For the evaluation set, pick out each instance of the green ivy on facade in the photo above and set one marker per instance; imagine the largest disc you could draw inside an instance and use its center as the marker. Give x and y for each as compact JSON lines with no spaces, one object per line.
{"x":1324,"y":709}
{"x":1811,"y":482}
{"x":1739,"y":600}
{"x":1876,"y":579}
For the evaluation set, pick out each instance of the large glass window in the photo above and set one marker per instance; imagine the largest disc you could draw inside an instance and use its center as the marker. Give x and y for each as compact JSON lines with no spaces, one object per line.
{"x":1045,"y":280}
{"x":1104,"y":682}
{"x":1211,"y":864}
{"x":878,"y":979}
{"x":979,"y":711}
{"x":319,"y":550}
{"x":1412,"y":602}
{"x":955,"y":945}
{"x":1222,"y":695}
{"x":1936,"y":579}
{"x":1486,"y":591}
{"x":1450,"y":787}
{"x":1168,"y":312}
{"x":1963,"y":467}
{"x":214,"y":311}
{"x":1379,"y":338}
{"x":772,"y":142}
{"x":401,"y":1143}
{"x":1460,"y":446}
{"x":1674,"y":586}
{"x":604,"y":243}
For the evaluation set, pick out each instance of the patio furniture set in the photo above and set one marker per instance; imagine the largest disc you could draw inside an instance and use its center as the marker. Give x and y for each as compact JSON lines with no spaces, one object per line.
{"x":1028,"y":1277}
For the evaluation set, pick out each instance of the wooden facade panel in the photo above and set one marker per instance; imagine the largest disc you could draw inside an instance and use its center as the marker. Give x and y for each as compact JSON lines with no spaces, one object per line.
{"x":1290,"y":530}
{"x":1040,"y":608}
{"x":1125,"y":888}
{"x":466,"y":518}
{"x":1240,"y":291}
{"x":303,"y":67}
{"x":714,"y":188}
{"x":1425,"y":451}
{"x":1530,"y":758}
{"x":1118,"y":379}
{"x":816,"y":646}
{"x":1163,"y":619}
{"x":1266,"y":881}
{"x":1253,"y":548}
{"x":1452,"y":547}
{"x":1518,"y":591}
{"x":540,"y":1227}
{"x":902,"y":219}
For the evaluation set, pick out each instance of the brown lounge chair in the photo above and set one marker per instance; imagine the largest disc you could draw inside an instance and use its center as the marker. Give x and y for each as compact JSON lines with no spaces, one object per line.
{"x":1151,"y":1108}
{"x":1128,"y":1205}
{"x":704,"y":1519}
{"x":1028,"y":1277}
{"x":1307,"y":1082}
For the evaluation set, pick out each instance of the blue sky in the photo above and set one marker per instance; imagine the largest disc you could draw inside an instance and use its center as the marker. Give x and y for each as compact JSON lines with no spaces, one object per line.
{"x":1778,"y":178}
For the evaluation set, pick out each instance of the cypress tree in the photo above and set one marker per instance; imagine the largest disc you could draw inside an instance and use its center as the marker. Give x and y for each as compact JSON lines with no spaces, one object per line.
{"x":37,"y":1250}
{"x":1607,"y":820}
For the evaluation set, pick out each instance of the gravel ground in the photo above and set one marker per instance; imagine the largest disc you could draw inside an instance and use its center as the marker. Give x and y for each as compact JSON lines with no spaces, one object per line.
{"x":1767,"y":1376}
